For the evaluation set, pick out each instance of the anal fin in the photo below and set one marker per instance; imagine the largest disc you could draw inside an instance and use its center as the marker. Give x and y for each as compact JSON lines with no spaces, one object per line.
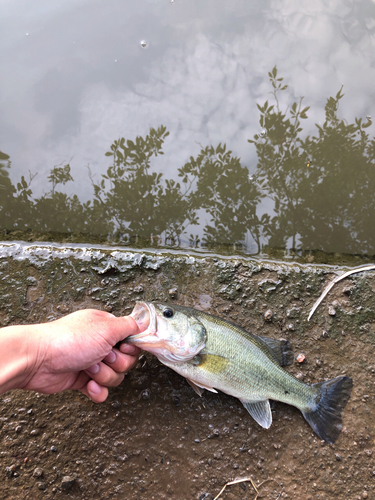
{"x":260,"y":411}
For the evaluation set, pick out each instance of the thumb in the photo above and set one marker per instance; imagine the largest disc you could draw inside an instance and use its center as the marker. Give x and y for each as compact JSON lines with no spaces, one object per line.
{"x":121,"y":327}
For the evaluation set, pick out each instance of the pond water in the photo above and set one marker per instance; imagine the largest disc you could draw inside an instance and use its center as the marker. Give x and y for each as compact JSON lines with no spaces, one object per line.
{"x":232,"y":127}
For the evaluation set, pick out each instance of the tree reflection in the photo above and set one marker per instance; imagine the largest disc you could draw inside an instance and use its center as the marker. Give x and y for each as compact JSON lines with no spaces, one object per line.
{"x":322,"y":188}
{"x":224,"y":189}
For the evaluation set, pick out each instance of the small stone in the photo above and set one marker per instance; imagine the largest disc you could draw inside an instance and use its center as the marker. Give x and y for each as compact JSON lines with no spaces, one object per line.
{"x":18,"y":429}
{"x":54,"y":449}
{"x":268,"y":315}
{"x":324,"y":334}
{"x":235,"y":466}
{"x":146,"y":394}
{"x":41,"y":486}
{"x":10,"y":470}
{"x":35,"y":432}
{"x":331,"y":311}
{"x":205,"y":496}
{"x":197,"y":440}
{"x":301,"y":358}
{"x":300,"y":376}
{"x":318,"y":362}
{"x":38,"y":472}
{"x":176,"y":401}
{"x":173,"y":293}
{"x":338,"y":457}
{"x":290,"y":327}
{"x":364,"y":494}
{"x":81,"y":485}
{"x":67,"y":482}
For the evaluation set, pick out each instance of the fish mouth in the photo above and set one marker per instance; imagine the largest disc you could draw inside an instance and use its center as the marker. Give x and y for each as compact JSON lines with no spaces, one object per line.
{"x":144,"y":314}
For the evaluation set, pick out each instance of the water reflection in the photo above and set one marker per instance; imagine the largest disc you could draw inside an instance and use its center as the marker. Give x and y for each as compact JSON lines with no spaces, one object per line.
{"x":322,"y":187}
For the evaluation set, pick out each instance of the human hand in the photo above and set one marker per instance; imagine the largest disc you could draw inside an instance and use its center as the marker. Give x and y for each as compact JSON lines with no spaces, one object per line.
{"x":77,"y":352}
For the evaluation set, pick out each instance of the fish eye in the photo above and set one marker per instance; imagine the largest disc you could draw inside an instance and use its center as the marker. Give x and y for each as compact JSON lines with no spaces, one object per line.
{"x":168,"y":313}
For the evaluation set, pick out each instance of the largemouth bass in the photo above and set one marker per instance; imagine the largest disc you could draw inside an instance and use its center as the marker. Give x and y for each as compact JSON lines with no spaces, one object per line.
{"x":215,"y":354}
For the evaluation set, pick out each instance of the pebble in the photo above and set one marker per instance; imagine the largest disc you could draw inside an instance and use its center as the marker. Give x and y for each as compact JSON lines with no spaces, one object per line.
{"x":54,"y":449}
{"x":173,"y":293}
{"x":67,"y":482}
{"x":38,"y":472}
{"x":41,"y":486}
{"x":331,"y":311}
{"x":146,"y":394}
{"x":176,"y":401}
{"x":365,"y":494}
{"x":10,"y":470}
{"x":205,"y":496}
{"x":268,"y":315}
{"x":301,"y":357}
{"x":18,"y":429}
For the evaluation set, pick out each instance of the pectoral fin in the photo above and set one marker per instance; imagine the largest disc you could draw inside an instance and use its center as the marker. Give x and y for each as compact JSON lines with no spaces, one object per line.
{"x":260,"y":411}
{"x":198,"y":387}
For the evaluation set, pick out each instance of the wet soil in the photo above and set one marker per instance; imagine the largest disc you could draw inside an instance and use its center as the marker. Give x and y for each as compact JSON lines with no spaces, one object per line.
{"x":154,"y":438}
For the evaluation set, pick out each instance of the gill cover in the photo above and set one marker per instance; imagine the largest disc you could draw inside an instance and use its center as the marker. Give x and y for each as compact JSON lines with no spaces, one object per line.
{"x":184,"y":336}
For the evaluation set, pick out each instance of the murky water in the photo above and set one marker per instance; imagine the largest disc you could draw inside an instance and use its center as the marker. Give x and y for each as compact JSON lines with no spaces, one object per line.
{"x":231,"y":127}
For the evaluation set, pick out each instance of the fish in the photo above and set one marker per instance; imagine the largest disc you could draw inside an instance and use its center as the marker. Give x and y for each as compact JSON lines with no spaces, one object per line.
{"x":217,"y":355}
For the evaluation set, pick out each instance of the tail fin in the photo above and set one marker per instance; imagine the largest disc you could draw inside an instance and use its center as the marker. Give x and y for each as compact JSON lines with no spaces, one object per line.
{"x":325,"y":418}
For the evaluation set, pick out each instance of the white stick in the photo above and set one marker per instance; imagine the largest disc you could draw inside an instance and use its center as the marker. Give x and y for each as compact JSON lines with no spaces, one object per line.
{"x":368,"y":267}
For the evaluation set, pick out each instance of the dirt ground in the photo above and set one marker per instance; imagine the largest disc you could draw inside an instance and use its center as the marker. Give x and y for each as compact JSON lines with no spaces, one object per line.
{"x":154,"y":438}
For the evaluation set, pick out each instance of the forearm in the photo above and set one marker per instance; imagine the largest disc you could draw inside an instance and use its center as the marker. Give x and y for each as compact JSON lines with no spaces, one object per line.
{"x":17,"y":358}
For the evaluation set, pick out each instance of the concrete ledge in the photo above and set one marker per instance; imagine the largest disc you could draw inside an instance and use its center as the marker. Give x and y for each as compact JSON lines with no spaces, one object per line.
{"x":154,"y":425}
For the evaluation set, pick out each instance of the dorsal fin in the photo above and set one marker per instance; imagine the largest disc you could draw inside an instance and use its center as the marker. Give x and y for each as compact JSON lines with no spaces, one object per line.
{"x":281,"y":350}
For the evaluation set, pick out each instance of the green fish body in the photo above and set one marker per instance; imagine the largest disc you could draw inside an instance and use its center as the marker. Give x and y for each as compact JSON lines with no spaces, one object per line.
{"x":215,"y":354}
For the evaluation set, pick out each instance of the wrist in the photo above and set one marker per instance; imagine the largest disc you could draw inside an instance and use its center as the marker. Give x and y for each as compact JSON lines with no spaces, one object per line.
{"x":19,"y":353}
